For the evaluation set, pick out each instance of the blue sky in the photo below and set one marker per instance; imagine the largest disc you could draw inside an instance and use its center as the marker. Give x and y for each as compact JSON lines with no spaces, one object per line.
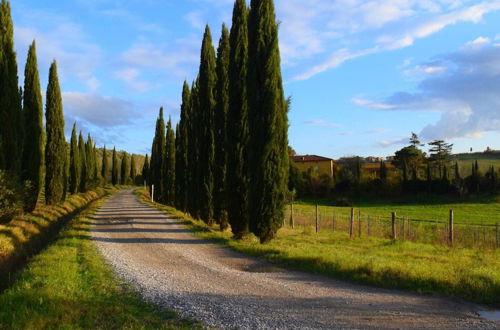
{"x":363,"y":75}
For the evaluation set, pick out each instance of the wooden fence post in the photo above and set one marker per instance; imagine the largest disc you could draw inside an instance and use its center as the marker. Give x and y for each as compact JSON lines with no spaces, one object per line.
{"x":333,"y":220}
{"x":152,"y":193}
{"x":369,"y":229}
{"x":317,"y":220}
{"x":394,"y":225}
{"x":497,"y":238}
{"x":404,"y":232}
{"x":450,"y":228}
{"x":359,"y":223}
{"x":292,"y":222}
{"x":351,"y":223}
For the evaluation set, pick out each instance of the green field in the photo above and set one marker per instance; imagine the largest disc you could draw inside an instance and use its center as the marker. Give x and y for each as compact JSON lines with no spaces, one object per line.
{"x":69,"y":286}
{"x":484,"y":165}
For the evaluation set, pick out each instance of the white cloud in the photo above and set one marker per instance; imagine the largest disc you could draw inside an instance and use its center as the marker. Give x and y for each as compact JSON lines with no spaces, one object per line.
{"x":321,"y":123}
{"x":131,"y":77}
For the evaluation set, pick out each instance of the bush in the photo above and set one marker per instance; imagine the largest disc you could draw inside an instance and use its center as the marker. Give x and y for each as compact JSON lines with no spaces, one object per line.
{"x":11,"y":195}
{"x":343,"y":202}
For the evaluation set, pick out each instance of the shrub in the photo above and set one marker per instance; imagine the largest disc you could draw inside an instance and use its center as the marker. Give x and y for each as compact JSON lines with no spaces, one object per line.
{"x":10,"y":198}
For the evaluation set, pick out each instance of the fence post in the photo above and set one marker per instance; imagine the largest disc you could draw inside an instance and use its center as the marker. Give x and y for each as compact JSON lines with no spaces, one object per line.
{"x":497,"y":238}
{"x":404,"y":232}
{"x":152,"y":193}
{"x":351,"y":223}
{"x":450,"y":228}
{"x":369,"y":230}
{"x":292,"y":222}
{"x":317,"y":220}
{"x":359,"y":223}
{"x":394,"y":225}
{"x":334,"y":220}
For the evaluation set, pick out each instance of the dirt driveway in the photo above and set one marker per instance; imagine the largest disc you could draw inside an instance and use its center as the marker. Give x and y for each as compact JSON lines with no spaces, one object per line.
{"x":222,"y":288}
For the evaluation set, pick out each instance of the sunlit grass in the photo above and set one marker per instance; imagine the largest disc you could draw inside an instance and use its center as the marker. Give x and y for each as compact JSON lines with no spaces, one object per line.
{"x":465,"y":273}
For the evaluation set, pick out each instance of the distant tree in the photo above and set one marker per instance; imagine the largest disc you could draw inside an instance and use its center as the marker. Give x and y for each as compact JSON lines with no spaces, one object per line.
{"x":158,"y":156}
{"x":383,"y":171}
{"x":104,"y":167}
{"x":124,"y":170}
{"x":408,"y":158}
{"x":114,"y":168}
{"x":194,"y":165}
{"x":91,"y":162}
{"x":440,"y":152}
{"x":181,"y":149}
{"x":145,"y":170}
{"x":414,"y":141}
{"x":133,"y":170}
{"x":32,"y":164}
{"x":170,"y":165}
{"x":83,"y":164}
{"x":74,"y":163}
{"x":55,"y":150}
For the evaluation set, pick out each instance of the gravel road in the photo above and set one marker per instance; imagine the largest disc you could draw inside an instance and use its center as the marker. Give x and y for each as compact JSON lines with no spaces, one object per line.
{"x":224,"y":289}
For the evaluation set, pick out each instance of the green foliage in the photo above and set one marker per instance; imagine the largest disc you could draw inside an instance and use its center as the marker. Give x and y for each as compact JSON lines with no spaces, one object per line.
{"x":74,"y":163}
{"x":181,"y":150}
{"x":158,"y":156}
{"x":238,"y":130}
{"x":440,"y":153}
{"x":55,"y":150}
{"x":133,"y":170}
{"x":104,"y":167}
{"x":206,"y":96}
{"x":221,"y":113}
{"x":114,"y":168}
{"x":124,"y":170}
{"x":145,"y":170}
{"x":170,"y":165}
{"x":10,"y":202}
{"x":11,"y":123}
{"x":268,"y":120}
{"x":83,"y":164}
{"x":193,"y":178}
{"x":32,"y":164}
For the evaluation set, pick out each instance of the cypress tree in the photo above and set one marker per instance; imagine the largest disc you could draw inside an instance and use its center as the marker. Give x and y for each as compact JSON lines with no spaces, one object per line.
{"x":32,"y":164}
{"x":55,"y":150}
{"x":89,"y":152}
{"x":383,"y":171}
{"x":11,"y":123}
{"x":145,"y":170}
{"x":104,"y":167}
{"x":206,"y":98}
{"x":458,"y":177}
{"x":74,"y":163}
{"x":221,"y":111}
{"x":114,"y":168}
{"x":133,"y":170}
{"x":97,"y":178}
{"x":181,"y":159}
{"x":170,"y":165}
{"x":193,"y":154}
{"x":238,"y":130}
{"x":157,"y":156}
{"x":83,"y":164}
{"x":268,"y":123}
{"x":124,"y":170}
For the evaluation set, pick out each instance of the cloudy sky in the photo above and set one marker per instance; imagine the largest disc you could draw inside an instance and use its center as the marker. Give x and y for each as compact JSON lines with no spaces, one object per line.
{"x":363,"y":75}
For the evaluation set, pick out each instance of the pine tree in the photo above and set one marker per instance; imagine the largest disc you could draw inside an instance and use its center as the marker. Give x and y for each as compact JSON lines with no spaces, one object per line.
{"x":55,"y":150}
{"x":268,"y":120}
{"x":181,"y":159}
{"x":104,"y":167}
{"x":114,"y":168}
{"x":11,"y":123}
{"x":133,"y":170}
{"x":32,"y":164}
{"x":124,"y":170}
{"x":157,"y":157}
{"x":74,"y":163}
{"x":145,"y":170}
{"x":206,"y":98}
{"x":238,"y":130}
{"x":170,"y":165}
{"x":221,"y":111}
{"x":83,"y":164}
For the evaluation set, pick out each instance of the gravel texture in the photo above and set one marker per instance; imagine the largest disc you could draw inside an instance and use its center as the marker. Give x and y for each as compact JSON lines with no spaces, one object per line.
{"x":224,"y":289}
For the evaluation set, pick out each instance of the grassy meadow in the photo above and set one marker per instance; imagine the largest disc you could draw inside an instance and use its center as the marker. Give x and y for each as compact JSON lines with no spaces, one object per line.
{"x":470,"y":274}
{"x":69,"y":286}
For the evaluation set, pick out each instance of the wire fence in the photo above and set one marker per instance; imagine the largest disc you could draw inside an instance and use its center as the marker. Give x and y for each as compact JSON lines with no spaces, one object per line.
{"x":358,"y":224}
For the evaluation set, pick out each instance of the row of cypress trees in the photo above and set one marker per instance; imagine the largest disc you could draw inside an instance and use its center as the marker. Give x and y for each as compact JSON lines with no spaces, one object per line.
{"x":228,"y":161}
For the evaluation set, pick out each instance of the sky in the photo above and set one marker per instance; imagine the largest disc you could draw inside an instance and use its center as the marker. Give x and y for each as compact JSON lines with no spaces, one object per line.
{"x":362,"y":75}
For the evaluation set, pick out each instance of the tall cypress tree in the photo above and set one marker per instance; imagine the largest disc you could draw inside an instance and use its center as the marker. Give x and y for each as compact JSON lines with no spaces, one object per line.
{"x":11,"y":124}
{"x":133,"y":170}
{"x":55,"y":150}
{"x":74,"y":163}
{"x":104,"y":167}
{"x":145,"y":170}
{"x":157,"y":156}
{"x":206,"y":98}
{"x":89,"y":152}
{"x":238,"y":130}
{"x":83,"y":164}
{"x":268,"y":123}
{"x":114,"y":168}
{"x":221,"y":111}
{"x":194,"y":165}
{"x":181,"y":159}
{"x":124,"y":170}
{"x":32,"y":164}
{"x":170,"y":165}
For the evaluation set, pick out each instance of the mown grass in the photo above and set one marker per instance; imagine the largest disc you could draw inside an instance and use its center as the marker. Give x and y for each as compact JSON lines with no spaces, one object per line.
{"x":463,"y":273}
{"x":481,"y":210}
{"x":69,"y":286}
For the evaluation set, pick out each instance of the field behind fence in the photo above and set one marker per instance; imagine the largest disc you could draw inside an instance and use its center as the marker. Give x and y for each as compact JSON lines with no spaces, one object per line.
{"x":353,"y":221}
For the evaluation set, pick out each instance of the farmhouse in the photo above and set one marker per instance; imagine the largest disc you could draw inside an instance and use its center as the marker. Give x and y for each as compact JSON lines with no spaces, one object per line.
{"x":322,"y":164}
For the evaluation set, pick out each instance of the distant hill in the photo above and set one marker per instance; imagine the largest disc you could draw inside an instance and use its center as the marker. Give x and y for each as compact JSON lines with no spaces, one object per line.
{"x":484,"y":159}
{"x":490,"y":154}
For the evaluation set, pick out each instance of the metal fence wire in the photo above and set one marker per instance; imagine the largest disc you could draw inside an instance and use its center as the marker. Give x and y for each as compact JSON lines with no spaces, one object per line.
{"x":358,"y":224}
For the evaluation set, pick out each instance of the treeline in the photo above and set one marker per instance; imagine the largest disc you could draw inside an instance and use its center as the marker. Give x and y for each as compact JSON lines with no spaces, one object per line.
{"x":227,"y":160}
{"x":411,"y":171}
{"x":36,"y":162}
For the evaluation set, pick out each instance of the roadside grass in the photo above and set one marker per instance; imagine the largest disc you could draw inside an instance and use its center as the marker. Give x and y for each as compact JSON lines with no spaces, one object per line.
{"x":69,"y":286}
{"x":469,"y":274}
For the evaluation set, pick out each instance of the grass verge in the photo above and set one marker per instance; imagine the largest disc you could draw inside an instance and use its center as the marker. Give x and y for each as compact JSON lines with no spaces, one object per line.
{"x":69,"y":286}
{"x":457,"y":272}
